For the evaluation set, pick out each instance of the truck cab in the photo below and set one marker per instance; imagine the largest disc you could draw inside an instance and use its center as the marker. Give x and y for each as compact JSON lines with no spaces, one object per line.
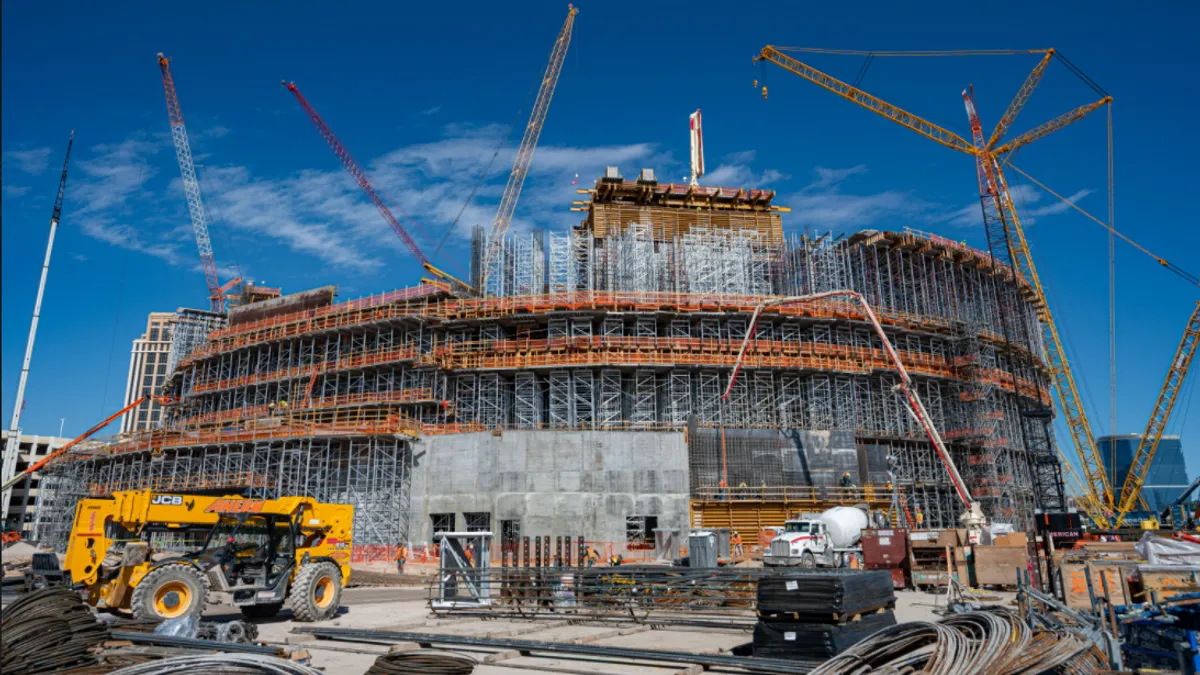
{"x":830,"y":539}
{"x":800,"y":544}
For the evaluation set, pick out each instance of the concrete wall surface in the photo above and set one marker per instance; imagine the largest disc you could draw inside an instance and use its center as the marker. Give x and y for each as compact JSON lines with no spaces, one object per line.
{"x":557,"y":483}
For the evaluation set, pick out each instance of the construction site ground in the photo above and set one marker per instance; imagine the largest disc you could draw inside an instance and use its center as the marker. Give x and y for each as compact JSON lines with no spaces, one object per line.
{"x":403,"y":608}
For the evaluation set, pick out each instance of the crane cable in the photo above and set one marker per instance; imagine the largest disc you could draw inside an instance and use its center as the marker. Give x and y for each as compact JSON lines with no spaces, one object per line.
{"x":482,"y":176}
{"x":1184,"y":274}
{"x":930,"y":52}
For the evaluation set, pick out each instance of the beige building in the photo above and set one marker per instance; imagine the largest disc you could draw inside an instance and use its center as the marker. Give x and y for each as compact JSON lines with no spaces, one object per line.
{"x":19,"y":511}
{"x":147,"y":372}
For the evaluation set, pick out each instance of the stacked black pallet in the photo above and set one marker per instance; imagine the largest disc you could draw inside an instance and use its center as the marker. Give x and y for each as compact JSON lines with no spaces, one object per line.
{"x":821,"y":613}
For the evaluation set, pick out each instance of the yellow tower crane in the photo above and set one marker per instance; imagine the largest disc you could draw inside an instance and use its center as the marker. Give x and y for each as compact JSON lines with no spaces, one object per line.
{"x":1094,"y":489}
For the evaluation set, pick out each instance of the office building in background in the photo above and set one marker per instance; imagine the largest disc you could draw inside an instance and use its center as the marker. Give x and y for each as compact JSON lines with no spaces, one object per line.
{"x":1168,"y":475}
{"x":147,"y":372}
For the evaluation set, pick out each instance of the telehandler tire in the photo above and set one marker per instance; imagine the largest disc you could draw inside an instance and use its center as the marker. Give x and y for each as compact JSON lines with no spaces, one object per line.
{"x":170,"y":592}
{"x":316,"y":592}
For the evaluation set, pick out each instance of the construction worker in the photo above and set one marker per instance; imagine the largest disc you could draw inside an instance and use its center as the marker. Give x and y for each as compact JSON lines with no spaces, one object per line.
{"x":271,"y":408}
{"x":283,"y":406}
{"x":920,"y":518}
{"x":615,"y":560}
{"x":401,"y":557}
{"x":847,"y":481}
{"x":590,"y":556}
{"x":736,"y":541}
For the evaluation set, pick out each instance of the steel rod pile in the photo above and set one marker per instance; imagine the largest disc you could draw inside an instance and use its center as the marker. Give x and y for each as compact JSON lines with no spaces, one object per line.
{"x":47,"y":631}
{"x":995,"y":641}
{"x":717,"y":596}
{"x":788,"y":667}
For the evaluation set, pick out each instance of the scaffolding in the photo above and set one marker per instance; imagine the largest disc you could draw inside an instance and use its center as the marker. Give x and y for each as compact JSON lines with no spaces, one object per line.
{"x":189,"y":330}
{"x":372,"y":473}
{"x":632,"y":325}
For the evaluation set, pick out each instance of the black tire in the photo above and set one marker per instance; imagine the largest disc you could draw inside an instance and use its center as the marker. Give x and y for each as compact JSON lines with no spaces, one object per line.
{"x":316,"y":592}
{"x":808,"y":560}
{"x":170,"y":592}
{"x":262,"y":611}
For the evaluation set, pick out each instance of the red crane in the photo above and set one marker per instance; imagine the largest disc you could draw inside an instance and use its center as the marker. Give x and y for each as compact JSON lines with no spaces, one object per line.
{"x":358,"y":174}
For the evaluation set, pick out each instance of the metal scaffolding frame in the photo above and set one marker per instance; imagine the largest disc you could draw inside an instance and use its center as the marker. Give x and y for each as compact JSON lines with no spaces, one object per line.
{"x":372,"y":473}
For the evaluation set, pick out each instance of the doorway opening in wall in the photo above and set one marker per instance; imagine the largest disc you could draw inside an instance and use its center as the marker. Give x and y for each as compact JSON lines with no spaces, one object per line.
{"x":639,"y":531}
{"x":441,"y":522}
{"x":478,"y":522}
{"x":510,"y":534}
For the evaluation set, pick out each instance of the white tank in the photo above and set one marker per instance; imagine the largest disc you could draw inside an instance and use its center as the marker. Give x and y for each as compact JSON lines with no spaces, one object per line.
{"x":844,"y":524}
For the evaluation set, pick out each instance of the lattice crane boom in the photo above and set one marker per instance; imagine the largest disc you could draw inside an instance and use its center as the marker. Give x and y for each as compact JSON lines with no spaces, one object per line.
{"x":1066,"y":392}
{"x":1043,"y":130}
{"x":1140,"y":467}
{"x":874,"y":104}
{"x":516,"y":179}
{"x":1018,"y":103}
{"x":360,"y":177}
{"x":191,"y":187}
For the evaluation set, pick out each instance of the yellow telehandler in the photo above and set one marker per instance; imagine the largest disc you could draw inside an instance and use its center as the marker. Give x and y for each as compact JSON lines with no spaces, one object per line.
{"x":258,"y":553}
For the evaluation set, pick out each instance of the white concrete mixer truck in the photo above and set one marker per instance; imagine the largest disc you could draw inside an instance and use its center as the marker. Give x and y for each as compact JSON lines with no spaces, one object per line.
{"x":829,"y":540}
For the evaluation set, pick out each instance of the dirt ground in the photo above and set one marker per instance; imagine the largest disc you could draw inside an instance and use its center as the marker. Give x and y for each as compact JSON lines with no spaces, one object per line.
{"x":404,"y":608}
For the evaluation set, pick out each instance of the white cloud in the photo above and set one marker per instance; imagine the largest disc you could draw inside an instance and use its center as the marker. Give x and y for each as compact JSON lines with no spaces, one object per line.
{"x":830,"y":179}
{"x":32,"y":161}
{"x":16,"y":190}
{"x":1060,"y":206}
{"x":79,"y":256}
{"x":741,"y":175}
{"x":129,"y":195}
{"x":127,"y":237}
{"x":296,"y":212}
{"x":743,"y":157}
{"x":116,"y":173}
{"x":822,"y":203}
{"x":1026,"y":198}
{"x":430,"y":111}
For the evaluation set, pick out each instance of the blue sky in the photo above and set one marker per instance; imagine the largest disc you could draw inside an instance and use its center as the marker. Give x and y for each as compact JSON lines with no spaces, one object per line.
{"x":422,"y":94}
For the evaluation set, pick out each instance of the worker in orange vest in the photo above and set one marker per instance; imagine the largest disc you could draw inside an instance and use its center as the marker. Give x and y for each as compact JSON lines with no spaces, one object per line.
{"x":401,"y":557}
{"x":736,"y":540}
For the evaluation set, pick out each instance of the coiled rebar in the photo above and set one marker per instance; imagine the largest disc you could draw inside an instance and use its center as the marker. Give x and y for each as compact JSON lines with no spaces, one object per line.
{"x":220,"y":664}
{"x":991,"y":642}
{"x":421,"y":662}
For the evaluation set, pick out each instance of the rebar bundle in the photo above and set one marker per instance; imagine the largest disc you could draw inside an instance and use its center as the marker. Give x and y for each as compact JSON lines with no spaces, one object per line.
{"x":992,"y":642}
{"x":47,"y":631}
